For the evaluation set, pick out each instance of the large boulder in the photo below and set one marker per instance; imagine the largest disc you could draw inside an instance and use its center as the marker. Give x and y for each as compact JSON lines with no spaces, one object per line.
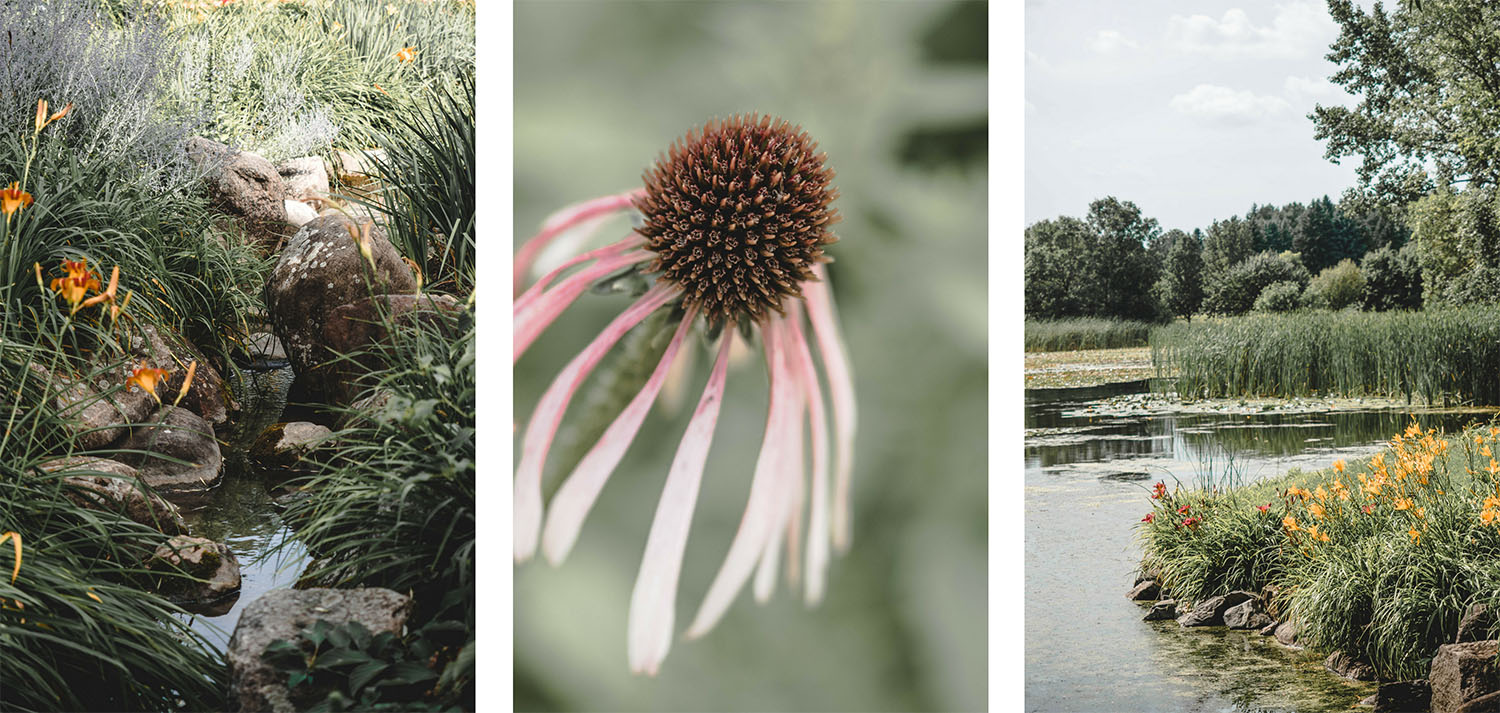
{"x":243,"y":185}
{"x":1464,"y":673}
{"x":1210,"y":612}
{"x":352,"y":328}
{"x":112,"y":486}
{"x":284,"y":614}
{"x":177,"y":454}
{"x":208,"y":395}
{"x":320,"y":270}
{"x":197,"y":573}
{"x":1403,"y":697}
{"x":98,"y":408}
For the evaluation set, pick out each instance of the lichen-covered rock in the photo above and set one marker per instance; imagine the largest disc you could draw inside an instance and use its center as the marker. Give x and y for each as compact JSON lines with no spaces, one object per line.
{"x":208,"y":395}
{"x":99,"y":411}
{"x":281,"y":448}
{"x":1210,"y":612}
{"x":1463,"y":673}
{"x":285,"y":613}
{"x":177,"y":454}
{"x":353,"y":328}
{"x":202,"y":573}
{"x":242,"y":184}
{"x":112,"y":486}
{"x":321,"y":269}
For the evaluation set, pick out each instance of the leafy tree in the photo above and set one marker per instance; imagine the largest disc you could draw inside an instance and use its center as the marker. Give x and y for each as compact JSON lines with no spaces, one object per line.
{"x":1181,"y":286}
{"x":1457,"y":234}
{"x":1324,"y":236}
{"x":1096,"y":267}
{"x":1336,"y":287}
{"x":1428,"y":93}
{"x":1057,"y":260}
{"x":1279,"y":297}
{"x":1226,"y":244}
{"x":1236,"y":290}
{"x":1393,"y":279}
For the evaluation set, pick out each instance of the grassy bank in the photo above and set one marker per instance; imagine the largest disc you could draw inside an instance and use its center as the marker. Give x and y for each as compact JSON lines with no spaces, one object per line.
{"x":1061,"y":335}
{"x":1378,"y":559}
{"x":1437,"y":355}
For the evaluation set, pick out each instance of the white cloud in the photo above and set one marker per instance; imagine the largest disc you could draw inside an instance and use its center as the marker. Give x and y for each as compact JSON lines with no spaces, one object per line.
{"x":1107,"y":41}
{"x":1210,"y":101}
{"x":1311,"y":87}
{"x":1299,"y":29}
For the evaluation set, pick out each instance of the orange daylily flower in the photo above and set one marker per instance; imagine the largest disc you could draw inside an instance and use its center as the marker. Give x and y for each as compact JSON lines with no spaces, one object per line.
{"x":406,"y":54}
{"x":76,"y":284}
{"x":15,"y":538}
{"x":146,"y":378}
{"x":13,"y":199}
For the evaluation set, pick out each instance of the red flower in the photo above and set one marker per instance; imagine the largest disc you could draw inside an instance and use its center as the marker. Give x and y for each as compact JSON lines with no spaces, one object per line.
{"x":1182,"y":509}
{"x":1159,"y":490}
{"x":1149,"y":517}
{"x":1192,"y":522}
{"x":1263,"y":508}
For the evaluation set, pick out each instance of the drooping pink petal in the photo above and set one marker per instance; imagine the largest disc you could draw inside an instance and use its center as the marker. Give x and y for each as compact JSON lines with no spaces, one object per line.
{"x":762,"y":515}
{"x":561,"y":221}
{"x":539,"y":313}
{"x":573,"y":500}
{"x":653,"y":602}
{"x":820,"y":311}
{"x":817,"y":524}
{"x":549,"y":411}
{"x":532,"y":293}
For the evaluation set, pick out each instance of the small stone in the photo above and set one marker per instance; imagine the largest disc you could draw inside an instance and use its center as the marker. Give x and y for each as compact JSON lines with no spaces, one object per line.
{"x":304,"y":178}
{"x":281,"y":448}
{"x":214,"y":571}
{"x":1349,"y":667}
{"x":1247,"y":615}
{"x":1210,"y":612}
{"x":1286,"y":633}
{"x":1145,"y":591}
{"x":176,"y":453}
{"x":1164,"y":609}
{"x":299,"y":213}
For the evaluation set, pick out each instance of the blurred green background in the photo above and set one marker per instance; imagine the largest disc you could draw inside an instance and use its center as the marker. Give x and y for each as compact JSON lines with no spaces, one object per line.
{"x":895,"y":94}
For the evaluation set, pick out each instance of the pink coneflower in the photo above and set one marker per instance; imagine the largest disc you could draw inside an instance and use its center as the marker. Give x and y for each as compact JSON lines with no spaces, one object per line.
{"x":735,"y":218}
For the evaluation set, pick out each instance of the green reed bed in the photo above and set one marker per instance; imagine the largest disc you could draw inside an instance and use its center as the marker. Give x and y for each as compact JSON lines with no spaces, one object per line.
{"x":1378,"y":558}
{"x":1061,"y":335}
{"x":1440,"y":356}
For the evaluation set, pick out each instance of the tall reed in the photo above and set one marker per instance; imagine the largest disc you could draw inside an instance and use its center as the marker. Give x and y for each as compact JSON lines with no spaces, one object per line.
{"x":1440,"y":356}
{"x":1046,"y":335}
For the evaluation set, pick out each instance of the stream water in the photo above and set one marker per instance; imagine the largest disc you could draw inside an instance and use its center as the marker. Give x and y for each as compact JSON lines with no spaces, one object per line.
{"x":1086,"y":478}
{"x":240,"y":511}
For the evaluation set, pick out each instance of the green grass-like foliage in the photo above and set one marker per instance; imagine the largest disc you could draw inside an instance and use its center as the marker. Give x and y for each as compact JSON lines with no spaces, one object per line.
{"x":394,"y":506}
{"x":1438,"y":355}
{"x":343,"y":667}
{"x":1378,"y":558}
{"x":77,"y":629}
{"x":1062,"y":335}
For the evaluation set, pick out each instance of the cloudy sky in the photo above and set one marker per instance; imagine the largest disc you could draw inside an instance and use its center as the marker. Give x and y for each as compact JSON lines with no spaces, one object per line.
{"x":1193,"y":110}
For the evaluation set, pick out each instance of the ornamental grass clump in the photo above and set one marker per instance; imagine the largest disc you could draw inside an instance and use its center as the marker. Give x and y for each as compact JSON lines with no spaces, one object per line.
{"x":1378,"y":559}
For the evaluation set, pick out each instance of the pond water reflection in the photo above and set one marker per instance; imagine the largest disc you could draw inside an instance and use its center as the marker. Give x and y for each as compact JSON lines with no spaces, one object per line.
{"x":1086,"y":478}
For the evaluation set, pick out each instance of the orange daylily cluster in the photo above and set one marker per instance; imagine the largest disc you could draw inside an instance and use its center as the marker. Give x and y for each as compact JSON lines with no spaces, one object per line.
{"x":76,"y":282}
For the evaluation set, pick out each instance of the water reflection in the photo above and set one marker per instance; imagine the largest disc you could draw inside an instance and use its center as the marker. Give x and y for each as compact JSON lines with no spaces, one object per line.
{"x":1086,"y":477}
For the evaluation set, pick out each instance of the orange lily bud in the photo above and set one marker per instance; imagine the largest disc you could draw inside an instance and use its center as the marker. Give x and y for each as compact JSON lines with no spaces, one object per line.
{"x":187,"y":383}
{"x":41,"y":114}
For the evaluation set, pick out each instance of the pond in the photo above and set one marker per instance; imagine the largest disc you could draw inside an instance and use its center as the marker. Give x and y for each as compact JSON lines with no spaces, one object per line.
{"x":1086,"y":478}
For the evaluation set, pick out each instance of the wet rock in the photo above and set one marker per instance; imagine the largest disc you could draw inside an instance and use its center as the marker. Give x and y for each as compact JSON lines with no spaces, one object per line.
{"x":1162,"y":610}
{"x":303,"y":178}
{"x":285,"y":613}
{"x":354,"y":327}
{"x":1403,"y":696}
{"x":1247,"y":615}
{"x":211,"y":571}
{"x":1144,"y":591}
{"x":178,"y":452}
{"x":112,"y":486}
{"x":1349,"y":667}
{"x":299,"y":214}
{"x":243,"y":185}
{"x":1210,"y":612}
{"x":208,"y":396}
{"x":1286,"y":633}
{"x":1463,"y":673}
{"x":320,"y":270}
{"x":1475,"y":624}
{"x":281,"y":448}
